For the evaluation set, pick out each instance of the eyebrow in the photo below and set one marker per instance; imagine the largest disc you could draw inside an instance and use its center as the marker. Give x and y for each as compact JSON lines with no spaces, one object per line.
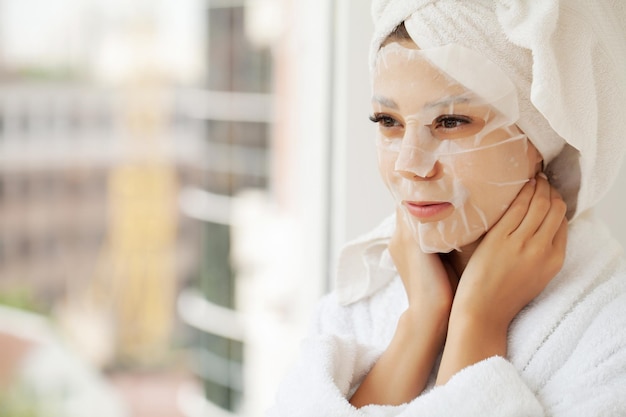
{"x":387,"y":102}
{"x":444,"y":102}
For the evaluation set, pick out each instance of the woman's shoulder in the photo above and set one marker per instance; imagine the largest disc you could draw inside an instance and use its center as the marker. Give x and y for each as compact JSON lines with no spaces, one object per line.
{"x":593,"y":255}
{"x":594,"y":272}
{"x":583,"y":306}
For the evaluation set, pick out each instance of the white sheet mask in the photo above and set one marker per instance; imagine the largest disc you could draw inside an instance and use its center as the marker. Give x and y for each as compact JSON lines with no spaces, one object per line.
{"x":448,"y":147}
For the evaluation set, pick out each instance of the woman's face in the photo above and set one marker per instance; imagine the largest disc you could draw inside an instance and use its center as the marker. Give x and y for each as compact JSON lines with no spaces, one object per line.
{"x":453,"y":159}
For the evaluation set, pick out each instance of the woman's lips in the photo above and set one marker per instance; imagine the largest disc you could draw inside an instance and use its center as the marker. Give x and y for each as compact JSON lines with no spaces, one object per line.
{"x":428,"y":210}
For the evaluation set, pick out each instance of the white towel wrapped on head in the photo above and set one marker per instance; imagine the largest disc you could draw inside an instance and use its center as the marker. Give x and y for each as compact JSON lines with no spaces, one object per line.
{"x":568,"y":61}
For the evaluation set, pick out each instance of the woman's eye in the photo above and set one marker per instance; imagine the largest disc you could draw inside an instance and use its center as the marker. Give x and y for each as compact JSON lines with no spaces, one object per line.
{"x":384,"y":120}
{"x":453,"y":126}
{"x":451,"y":122}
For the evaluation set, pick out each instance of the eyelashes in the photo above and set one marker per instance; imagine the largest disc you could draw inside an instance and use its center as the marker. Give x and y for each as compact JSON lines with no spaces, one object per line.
{"x":446,"y":121}
{"x":454,"y":126}
{"x":450,"y":121}
{"x":384,"y":120}
{"x":445,"y":126}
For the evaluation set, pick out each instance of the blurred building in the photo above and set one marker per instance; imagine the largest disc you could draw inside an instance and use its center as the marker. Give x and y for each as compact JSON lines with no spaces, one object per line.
{"x":238,"y":120}
{"x":164,"y":173}
{"x":96,"y":141}
{"x":79,"y":198}
{"x":96,"y":147}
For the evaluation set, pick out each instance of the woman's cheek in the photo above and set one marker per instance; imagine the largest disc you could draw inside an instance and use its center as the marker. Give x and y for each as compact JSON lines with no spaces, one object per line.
{"x":498,"y":165}
{"x":386,"y":168}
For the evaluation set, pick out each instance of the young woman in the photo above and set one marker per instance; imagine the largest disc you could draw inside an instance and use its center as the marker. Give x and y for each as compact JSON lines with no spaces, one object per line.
{"x":479,"y":297}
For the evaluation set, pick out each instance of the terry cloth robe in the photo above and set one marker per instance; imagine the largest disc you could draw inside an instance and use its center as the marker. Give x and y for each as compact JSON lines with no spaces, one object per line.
{"x":566,"y":351}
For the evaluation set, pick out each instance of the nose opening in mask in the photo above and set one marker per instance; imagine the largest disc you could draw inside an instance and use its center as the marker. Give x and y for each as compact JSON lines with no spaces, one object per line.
{"x":415,"y":161}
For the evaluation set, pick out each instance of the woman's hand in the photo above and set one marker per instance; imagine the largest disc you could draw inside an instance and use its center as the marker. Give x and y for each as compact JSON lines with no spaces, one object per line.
{"x":402,"y":371}
{"x":515,"y":261}
{"x":429,"y":283}
{"x":517,"y":258}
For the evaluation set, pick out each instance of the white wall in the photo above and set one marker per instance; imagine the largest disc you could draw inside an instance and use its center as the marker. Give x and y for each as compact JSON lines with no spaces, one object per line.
{"x":360,"y":200}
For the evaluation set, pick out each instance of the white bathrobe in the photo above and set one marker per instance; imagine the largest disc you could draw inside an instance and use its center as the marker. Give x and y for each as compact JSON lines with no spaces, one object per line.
{"x":566,"y":350}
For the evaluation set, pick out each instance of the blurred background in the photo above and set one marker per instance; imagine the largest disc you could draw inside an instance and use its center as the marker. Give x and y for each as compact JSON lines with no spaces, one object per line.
{"x":168,"y":171}
{"x":176,"y":178}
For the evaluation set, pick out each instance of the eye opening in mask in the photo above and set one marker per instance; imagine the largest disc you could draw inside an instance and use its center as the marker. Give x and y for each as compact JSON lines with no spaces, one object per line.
{"x":455,"y":126}
{"x":385,"y":121}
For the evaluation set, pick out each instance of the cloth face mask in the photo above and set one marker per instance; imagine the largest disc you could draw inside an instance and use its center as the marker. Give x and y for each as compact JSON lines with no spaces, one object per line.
{"x":448,"y":147}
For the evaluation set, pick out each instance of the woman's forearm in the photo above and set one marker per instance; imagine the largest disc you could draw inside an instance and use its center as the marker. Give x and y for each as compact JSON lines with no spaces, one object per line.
{"x":403,"y":369}
{"x":470,"y":341}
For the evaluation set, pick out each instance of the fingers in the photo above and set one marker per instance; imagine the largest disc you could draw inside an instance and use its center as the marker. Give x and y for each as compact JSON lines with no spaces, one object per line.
{"x":426,"y":280}
{"x":560,"y":238}
{"x":538,"y":208}
{"x":553,"y":221}
{"x":516,"y":212}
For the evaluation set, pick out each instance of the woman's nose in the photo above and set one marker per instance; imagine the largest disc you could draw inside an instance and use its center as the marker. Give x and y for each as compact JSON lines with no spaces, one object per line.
{"x":414,"y":163}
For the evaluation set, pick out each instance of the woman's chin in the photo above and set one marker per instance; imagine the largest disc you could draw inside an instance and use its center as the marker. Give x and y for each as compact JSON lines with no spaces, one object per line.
{"x":432,"y":240}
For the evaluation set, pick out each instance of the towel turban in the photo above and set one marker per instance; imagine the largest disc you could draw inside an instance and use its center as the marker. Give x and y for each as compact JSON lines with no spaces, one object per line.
{"x":568,"y":62}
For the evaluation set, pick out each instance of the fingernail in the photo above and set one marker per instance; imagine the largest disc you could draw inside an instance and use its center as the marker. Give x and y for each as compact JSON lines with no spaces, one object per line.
{"x":543,"y":175}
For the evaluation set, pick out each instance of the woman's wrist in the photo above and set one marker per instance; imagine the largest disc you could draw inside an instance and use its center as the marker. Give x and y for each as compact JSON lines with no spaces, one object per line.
{"x":470,"y":340}
{"x":403,"y":369}
{"x":480,"y":316}
{"x":426,"y":321}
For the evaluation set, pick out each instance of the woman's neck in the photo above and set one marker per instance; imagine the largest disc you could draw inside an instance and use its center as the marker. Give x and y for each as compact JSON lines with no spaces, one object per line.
{"x":458,"y":260}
